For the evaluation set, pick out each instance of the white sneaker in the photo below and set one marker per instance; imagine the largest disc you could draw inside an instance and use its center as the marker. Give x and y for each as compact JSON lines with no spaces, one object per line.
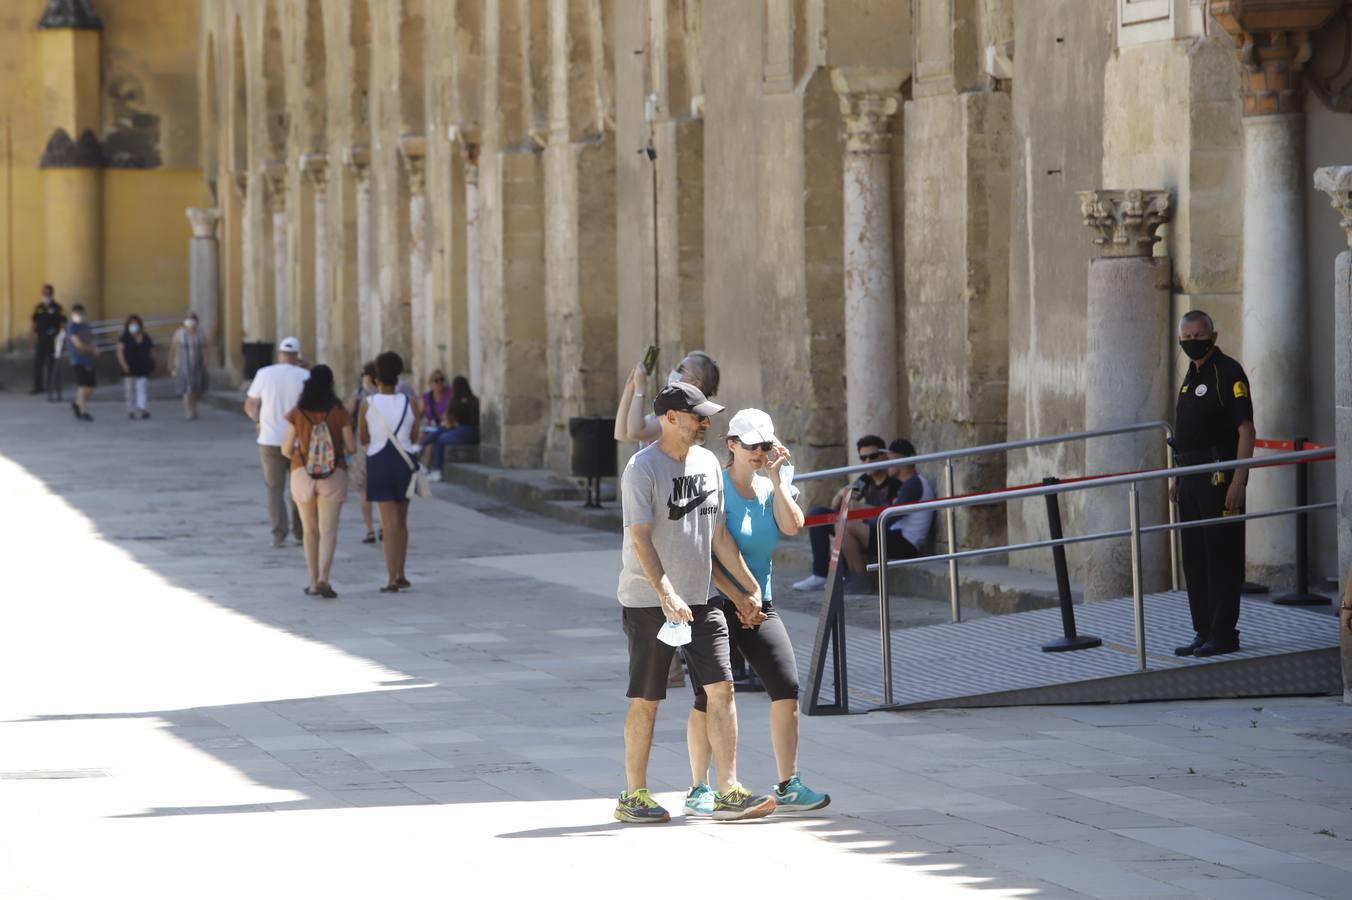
{"x":810,"y":583}
{"x":434,"y":475}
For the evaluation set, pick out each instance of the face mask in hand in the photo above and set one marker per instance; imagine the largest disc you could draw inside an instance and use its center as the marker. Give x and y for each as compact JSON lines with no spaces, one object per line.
{"x":674,"y":376}
{"x":676,"y":634}
{"x":1196,"y":348}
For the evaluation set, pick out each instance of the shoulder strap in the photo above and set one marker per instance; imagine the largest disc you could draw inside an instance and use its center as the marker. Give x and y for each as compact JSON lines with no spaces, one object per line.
{"x":392,"y":438}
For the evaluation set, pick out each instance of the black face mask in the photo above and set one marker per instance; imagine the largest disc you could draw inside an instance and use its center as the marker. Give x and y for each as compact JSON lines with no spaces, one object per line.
{"x":1196,"y":348}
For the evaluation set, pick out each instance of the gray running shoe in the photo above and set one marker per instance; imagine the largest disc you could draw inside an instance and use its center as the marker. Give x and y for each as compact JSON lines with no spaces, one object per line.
{"x":739,"y":803}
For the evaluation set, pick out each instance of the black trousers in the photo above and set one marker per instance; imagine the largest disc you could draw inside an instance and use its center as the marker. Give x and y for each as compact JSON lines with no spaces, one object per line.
{"x":1213,"y":557}
{"x":43,"y":364}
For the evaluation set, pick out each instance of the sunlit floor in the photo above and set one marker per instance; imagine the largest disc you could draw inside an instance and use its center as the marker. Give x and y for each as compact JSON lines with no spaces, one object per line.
{"x":178,"y":720}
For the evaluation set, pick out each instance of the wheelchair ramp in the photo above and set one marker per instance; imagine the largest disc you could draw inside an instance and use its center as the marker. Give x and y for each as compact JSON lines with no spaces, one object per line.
{"x":998,"y":661}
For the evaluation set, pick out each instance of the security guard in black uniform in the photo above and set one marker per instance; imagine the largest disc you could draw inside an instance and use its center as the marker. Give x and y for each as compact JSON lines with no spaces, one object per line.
{"x":1214,"y":422}
{"x":48,"y":320}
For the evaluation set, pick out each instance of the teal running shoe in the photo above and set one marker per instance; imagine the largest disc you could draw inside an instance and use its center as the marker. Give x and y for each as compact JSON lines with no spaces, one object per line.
{"x":798,"y":797}
{"x":699,"y":801}
{"x":640,"y":808}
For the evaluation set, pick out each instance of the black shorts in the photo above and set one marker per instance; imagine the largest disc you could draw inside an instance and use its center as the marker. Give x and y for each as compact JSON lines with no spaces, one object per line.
{"x":767,"y":649}
{"x":650,"y":659}
{"x":897,"y":545}
{"x":84,"y":376}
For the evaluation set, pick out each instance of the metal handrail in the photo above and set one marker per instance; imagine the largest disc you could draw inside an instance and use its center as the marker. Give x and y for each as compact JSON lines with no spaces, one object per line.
{"x":1133,"y":531}
{"x":947,"y":457}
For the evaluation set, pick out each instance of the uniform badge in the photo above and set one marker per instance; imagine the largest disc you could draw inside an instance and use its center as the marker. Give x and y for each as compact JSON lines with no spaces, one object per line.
{"x":1184,"y":389}
{"x":1200,"y":390}
{"x":1240,"y":390}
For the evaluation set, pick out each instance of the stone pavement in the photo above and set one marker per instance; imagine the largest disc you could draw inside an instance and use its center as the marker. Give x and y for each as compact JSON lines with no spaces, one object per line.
{"x":178,"y":720}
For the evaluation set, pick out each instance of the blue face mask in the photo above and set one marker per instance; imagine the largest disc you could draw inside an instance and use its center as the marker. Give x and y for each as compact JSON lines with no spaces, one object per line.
{"x":134,"y":328}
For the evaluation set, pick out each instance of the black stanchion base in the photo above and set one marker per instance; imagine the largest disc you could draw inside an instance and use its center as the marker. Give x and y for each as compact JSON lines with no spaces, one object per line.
{"x":1301,"y":600}
{"x":1250,"y":587}
{"x":1079,"y":642}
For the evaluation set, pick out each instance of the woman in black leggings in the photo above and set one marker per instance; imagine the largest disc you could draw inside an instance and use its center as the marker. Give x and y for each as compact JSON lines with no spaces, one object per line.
{"x":760,"y":507}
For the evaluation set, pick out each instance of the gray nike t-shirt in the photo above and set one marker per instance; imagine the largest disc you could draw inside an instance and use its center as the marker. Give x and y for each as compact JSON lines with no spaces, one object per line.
{"x":683,"y":499}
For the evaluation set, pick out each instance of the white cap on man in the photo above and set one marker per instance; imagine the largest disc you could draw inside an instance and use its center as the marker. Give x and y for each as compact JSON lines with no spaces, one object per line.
{"x":289,"y":345}
{"x":752,"y":426}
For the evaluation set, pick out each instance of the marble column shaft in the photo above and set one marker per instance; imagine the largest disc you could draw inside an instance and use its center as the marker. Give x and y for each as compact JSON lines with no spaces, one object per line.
{"x":204,"y":277}
{"x":1127,"y":379}
{"x":368,"y":324}
{"x":871,"y":365}
{"x":315,"y":167}
{"x":413,"y":152}
{"x":276,"y":176}
{"x":473,"y":293}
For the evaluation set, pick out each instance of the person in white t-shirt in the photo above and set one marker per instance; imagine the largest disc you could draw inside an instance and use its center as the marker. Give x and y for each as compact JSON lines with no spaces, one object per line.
{"x":272,"y":395}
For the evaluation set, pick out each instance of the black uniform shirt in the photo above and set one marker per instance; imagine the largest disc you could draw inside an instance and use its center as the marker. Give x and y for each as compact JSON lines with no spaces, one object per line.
{"x":48,"y":322}
{"x":1212,"y":403}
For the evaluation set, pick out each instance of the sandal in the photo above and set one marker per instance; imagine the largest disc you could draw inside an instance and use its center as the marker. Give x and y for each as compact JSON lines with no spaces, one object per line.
{"x":310,"y":593}
{"x":390,"y":589}
{"x":370,"y":538}
{"x":402,"y":582}
{"x":327,"y":592}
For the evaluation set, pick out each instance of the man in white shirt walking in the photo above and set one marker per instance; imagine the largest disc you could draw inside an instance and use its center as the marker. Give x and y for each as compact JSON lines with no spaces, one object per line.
{"x":272,"y":394}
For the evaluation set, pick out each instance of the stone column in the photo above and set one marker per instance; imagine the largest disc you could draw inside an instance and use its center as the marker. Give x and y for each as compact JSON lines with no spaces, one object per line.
{"x":1128,"y":378}
{"x":358,"y":159}
{"x":249,"y":314}
{"x":868,"y":100}
{"x":1274,"y":45}
{"x":413,"y":152}
{"x":1337,"y":183}
{"x":275,"y":173}
{"x":315,"y":167}
{"x":473,"y":292}
{"x":204,"y":278}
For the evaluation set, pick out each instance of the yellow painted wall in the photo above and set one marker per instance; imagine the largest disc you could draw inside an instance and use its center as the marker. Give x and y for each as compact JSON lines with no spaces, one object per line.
{"x":146,"y":67}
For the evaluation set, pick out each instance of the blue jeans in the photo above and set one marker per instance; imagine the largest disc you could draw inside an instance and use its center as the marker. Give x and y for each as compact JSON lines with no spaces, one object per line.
{"x":439,"y":439}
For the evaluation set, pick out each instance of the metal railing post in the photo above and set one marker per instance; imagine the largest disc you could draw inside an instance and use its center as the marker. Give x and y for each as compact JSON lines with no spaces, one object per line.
{"x":1137,"y":596}
{"x":951,"y":524}
{"x":1174,"y":549}
{"x":884,"y":611}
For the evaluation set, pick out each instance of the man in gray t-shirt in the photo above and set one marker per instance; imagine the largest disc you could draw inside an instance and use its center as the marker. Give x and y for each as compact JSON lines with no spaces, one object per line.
{"x":673,"y":524}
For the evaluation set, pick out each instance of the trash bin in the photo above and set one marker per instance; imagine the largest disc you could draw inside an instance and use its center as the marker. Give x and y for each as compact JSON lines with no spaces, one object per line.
{"x":257,"y":354}
{"x":593,"y":452}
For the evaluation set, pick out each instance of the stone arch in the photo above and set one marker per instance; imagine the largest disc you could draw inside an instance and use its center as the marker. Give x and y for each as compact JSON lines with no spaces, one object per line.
{"x":361,"y":71}
{"x":412,"y":53}
{"x":239,"y":120}
{"x":274,"y":82}
{"x":315,"y":70}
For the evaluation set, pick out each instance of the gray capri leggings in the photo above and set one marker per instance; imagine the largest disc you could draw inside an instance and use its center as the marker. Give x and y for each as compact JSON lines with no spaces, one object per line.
{"x":767,"y":650}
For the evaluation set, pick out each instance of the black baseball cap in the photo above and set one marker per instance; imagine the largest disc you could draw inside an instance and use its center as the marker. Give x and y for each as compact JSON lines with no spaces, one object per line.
{"x":684,"y":397}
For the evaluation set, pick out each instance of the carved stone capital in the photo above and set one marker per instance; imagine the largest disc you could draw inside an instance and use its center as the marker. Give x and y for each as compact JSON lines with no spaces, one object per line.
{"x":413,"y":152}
{"x":358,"y":159}
{"x":241,"y":182}
{"x":1336,"y":181}
{"x":315,"y":168}
{"x":275,"y":173}
{"x":70,"y":14}
{"x":1273,"y":37}
{"x":203,"y":221}
{"x":1124,"y":222}
{"x":868,"y":100}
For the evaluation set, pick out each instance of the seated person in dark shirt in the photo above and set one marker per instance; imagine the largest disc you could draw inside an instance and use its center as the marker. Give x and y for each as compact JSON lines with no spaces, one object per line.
{"x":908,"y":534}
{"x":875,"y":488}
{"x":459,"y":424}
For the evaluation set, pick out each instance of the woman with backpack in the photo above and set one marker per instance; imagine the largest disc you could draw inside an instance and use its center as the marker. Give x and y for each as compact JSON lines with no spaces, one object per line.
{"x":317,"y":441}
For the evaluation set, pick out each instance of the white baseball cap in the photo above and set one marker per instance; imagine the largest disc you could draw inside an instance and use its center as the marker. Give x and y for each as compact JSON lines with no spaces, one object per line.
{"x":752,"y":426}
{"x":289,"y":345}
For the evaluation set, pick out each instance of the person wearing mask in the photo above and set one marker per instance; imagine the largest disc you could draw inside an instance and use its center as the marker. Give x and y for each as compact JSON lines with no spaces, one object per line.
{"x":188,"y":362}
{"x":48,"y":321}
{"x":1213,"y":422}
{"x":83,"y":354}
{"x":459,"y":425}
{"x":272,"y":395}
{"x":435,"y":401}
{"x":759,"y":506}
{"x":386,"y":421}
{"x":632,"y":420}
{"x":872,"y":488}
{"x":133,"y":356}
{"x":318,"y":440}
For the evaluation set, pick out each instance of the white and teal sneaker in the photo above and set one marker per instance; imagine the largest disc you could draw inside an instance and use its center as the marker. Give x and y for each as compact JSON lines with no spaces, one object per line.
{"x":699,"y":801}
{"x":798,"y":797}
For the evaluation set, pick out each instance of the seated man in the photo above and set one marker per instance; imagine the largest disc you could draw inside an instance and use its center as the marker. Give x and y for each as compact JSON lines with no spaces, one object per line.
{"x":874,"y":488}
{"x":908,"y":534}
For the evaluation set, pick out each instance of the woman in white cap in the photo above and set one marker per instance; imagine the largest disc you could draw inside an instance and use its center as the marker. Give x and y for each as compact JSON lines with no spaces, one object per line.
{"x":634,"y":420}
{"x":759,"y":501}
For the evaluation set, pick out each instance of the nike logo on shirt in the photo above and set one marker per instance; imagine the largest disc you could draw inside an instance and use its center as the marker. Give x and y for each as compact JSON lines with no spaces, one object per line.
{"x":676,"y":511}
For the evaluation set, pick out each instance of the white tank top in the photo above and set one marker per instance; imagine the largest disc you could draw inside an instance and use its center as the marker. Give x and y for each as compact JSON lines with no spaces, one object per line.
{"x":391,"y":408}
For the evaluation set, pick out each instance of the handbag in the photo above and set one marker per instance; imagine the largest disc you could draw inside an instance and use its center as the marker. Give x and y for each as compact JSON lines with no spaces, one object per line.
{"x":418,"y":485}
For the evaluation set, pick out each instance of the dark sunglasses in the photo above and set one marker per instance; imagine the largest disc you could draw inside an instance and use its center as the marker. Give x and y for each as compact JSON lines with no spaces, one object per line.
{"x":764,"y":447}
{"x":870,"y":457}
{"x":438,"y":380}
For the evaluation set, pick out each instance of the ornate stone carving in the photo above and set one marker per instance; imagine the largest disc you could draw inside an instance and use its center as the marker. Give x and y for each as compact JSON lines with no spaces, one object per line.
{"x":1125,"y":221}
{"x":413,"y":151}
{"x":275,"y":172}
{"x":70,"y":14}
{"x":1274,"y":46}
{"x":1336,"y":181}
{"x":63,"y":153}
{"x":358,"y":159}
{"x":203,"y":221}
{"x":868,"y":100}
{"x":315,"y":167}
